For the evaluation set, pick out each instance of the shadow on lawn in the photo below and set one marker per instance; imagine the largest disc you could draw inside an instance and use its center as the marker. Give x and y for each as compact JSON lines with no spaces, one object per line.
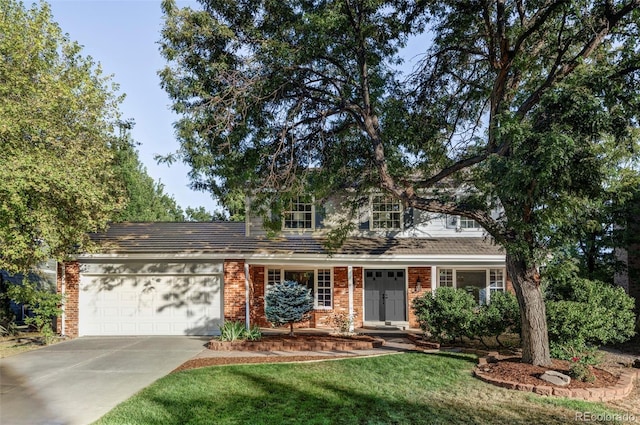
{"x":282,"y":402}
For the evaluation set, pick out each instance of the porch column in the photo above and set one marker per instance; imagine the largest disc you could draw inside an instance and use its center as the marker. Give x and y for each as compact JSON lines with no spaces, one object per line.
{"x":350,"y":281}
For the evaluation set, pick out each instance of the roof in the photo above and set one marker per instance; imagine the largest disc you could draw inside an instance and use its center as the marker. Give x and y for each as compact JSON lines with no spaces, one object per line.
{"x":230,"y":238}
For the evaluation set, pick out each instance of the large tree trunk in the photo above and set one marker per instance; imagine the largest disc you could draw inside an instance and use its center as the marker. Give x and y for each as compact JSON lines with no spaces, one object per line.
{"x":535,"y":338}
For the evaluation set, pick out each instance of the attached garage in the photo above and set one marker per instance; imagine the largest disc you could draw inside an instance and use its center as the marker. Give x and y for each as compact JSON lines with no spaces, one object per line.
{"x":150,"y":297}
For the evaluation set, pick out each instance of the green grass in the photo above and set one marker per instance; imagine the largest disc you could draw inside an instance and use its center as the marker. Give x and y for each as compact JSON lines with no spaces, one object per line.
{"x":396,"y":389}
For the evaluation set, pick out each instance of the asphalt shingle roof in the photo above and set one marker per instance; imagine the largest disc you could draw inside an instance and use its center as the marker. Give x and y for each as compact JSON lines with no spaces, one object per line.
{"x":230,"y":238}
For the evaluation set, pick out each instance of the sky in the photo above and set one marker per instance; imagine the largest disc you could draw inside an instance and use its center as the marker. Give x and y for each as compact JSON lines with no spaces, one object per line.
{"x":123,"y":37}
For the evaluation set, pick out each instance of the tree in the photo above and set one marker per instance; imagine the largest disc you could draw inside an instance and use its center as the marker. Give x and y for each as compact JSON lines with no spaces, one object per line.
{"x":522,"y":104}
{"x":287,"y":303}
{"x":146,"y":200}
{"x":56,"y":122}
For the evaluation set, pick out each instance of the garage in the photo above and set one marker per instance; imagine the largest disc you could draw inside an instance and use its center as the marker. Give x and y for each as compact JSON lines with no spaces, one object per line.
{"x":150,"y":297}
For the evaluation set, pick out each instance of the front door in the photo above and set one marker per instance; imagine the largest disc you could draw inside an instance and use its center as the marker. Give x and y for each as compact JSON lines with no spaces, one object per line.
{"x":384,"y":295}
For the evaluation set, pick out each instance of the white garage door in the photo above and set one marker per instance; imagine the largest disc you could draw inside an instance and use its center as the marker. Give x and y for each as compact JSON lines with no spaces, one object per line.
{"x":162,"y":298}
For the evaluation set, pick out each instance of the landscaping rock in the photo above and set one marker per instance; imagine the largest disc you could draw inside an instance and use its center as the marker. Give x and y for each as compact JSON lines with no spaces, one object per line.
{"x":556,"y":378}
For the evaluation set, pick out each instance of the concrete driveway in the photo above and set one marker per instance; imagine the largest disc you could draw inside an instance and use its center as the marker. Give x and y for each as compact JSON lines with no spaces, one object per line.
{"x":76,"y":382}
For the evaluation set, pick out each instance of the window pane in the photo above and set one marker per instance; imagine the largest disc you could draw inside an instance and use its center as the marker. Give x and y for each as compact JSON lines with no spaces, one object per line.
{"x":303,"y":277}
{"x":385,"y":213}
{"x":323,"y":298}
{"x":468,"y":223}
{"x":474,"y":282}
{"x":299,"y":215}
{"x":446,"y":277}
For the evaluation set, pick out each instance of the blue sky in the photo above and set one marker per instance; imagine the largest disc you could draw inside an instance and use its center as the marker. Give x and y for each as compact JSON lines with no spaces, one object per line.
{"x":123,"y":37}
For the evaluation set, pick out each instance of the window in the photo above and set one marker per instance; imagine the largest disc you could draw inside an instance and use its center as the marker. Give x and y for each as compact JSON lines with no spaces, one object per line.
{"x":298,"y":215}
{"x":459,"y":222}
{"x":386,"y":213}
{"x":496,"y":281}
{"x":446,"y":277}
{"x":468,"y":223}
{"x":480,"y":283}
{"x":319,"y":281}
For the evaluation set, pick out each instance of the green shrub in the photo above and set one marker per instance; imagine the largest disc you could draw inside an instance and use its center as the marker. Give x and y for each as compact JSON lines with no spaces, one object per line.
{"x":232,"y":331}
{"x":253,"y":333}
{"x":446,"y":314}
{"x":288,"y":302}
{"x":43,"y":304}
{"x":237,"y":330}
{"x":583,"y":313}
{"x":501,"y":315}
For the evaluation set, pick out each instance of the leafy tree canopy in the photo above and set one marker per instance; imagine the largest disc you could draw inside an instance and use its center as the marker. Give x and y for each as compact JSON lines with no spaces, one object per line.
{"x":56,"y":122}
{"x":528,"y":105}
{"x":146,"y":199}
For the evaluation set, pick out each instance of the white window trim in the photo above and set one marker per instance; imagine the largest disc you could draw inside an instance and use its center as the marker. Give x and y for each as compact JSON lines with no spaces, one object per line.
{"x":371,"y":212}
{"x":282,"y":270}
{"x":487,"y":271}
{"x":301,"y":229}
{"x":454,"y":222}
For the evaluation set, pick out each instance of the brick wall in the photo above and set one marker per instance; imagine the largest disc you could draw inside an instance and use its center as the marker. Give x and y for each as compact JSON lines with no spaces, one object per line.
{"x":71,"y":272}
{"x":424,"y":274}
{"x":257,"y":279}
{"x":234,"y":290}
{"x":320,"y":318}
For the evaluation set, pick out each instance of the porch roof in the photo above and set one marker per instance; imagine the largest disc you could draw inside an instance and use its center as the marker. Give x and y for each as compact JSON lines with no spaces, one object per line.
{"x":228,"y":238}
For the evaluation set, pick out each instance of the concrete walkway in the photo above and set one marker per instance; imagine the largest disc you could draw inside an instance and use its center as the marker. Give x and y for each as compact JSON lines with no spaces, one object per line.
{"x":76,"y":382}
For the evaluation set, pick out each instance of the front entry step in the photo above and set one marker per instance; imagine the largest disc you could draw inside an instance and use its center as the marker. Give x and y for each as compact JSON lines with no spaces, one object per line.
{"x":386,"y":326}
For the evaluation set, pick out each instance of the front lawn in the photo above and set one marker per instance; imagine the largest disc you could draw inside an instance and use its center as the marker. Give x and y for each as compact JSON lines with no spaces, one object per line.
{"x":408,"y":388}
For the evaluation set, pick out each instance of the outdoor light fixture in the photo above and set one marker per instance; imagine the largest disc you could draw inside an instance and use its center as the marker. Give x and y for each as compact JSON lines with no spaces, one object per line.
{"x":418,"y":285}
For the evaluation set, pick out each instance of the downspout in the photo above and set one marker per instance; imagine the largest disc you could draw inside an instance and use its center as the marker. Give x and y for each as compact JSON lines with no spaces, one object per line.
{"x":350,"y":280}
{"x":63,"y":290}
{"x":247,"y":307}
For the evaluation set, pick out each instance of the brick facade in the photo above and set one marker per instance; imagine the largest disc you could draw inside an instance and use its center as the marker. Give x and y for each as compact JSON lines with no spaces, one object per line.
{"x":70,"y":272}
{"x":234,"y":290}
{"x":415,"y":273}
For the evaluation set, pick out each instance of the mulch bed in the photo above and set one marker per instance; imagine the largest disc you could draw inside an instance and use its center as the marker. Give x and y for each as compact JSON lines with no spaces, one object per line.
{"x":513,"y":370}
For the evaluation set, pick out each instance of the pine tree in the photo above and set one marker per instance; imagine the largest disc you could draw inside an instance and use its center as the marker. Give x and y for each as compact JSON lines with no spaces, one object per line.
{"x":288,"y":302}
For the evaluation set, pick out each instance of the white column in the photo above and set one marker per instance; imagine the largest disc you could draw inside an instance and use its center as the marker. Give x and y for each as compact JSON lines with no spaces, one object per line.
{"x":247,"y":308}
{"x":350,"y":280}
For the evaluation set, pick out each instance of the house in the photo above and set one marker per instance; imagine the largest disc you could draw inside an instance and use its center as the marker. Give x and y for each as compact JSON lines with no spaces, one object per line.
{"x":187,"y":278}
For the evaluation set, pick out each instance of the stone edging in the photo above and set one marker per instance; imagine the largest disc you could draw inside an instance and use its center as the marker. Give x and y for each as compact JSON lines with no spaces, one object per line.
{"x":302,"y":344}
{"x":622,"y":389}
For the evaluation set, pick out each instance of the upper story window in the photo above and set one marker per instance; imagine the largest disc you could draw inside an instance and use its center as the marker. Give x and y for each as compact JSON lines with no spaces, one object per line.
{"x":386,"y":213}
{"x":459,"y":222}
{"x":468,"y":223}
{"x":299,"y":214}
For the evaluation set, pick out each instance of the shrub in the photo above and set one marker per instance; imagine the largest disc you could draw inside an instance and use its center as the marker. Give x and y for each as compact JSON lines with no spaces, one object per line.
{"x":342,"y":322}
{"x":253,"y":333}
{"x":232,"y":331}
{"x":287,"y":303}
{"x":500,"y":316}
{"x":583,"y":313}
{"x":446,"y":314}
{"x":43,"y":304}
{"x":237,"y":330}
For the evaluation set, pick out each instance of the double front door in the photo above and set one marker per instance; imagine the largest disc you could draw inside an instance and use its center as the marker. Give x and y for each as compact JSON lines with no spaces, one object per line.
{"x":385,"y":295}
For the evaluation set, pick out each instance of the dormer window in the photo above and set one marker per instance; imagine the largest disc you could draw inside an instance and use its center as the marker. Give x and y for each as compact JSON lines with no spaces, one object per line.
{"x":386,"y":213}
{"x":298,"y":215}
